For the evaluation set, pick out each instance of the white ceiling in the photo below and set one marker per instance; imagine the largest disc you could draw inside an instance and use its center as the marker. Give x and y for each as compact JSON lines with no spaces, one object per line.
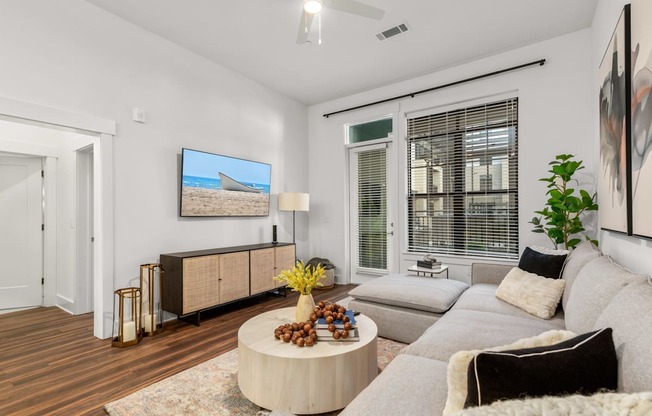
{"x":257,"y":38}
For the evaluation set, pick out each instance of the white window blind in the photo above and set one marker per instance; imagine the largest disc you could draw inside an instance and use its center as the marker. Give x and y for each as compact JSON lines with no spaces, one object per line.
{"x":463,"y":181}
{"x":372,"y":209}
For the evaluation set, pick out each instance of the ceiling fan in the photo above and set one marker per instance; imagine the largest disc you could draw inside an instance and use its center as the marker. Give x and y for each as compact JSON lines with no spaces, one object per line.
{"x":312,"y":8}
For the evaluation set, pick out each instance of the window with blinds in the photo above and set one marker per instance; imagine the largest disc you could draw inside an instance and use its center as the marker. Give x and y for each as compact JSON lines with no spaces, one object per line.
{"x":463,"y":181}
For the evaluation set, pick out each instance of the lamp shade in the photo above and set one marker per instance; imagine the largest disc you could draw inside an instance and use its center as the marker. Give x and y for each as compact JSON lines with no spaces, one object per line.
{"x":293,"y":201}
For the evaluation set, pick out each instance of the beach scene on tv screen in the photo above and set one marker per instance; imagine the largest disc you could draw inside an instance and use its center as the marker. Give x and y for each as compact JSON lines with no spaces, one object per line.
{"x":217,"y":185}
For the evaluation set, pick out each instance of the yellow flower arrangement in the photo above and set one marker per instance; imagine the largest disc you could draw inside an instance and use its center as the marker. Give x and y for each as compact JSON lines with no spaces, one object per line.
{"x":302,"y":279}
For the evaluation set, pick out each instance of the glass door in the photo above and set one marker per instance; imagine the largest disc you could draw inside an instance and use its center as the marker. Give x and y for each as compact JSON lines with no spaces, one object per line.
{"x":371,"y":229}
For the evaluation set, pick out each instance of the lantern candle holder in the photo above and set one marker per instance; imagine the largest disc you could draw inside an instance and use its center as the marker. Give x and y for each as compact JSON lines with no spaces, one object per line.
{"x":127,"y":330}
{"x":150,"y":286}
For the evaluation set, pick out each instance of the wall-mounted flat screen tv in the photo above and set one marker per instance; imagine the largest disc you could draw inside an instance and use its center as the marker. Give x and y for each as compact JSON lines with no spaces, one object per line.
{"x":214,"y":185}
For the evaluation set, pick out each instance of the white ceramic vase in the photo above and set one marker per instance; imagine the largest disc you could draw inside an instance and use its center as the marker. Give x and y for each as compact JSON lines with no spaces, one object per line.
{"x":305,"y":307}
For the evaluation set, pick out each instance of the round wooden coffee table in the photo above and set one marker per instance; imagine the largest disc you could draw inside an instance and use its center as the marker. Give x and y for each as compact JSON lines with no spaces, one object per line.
{"x":281,"y":376}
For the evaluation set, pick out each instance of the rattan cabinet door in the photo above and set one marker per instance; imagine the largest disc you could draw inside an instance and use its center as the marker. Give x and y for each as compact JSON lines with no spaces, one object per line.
{"x":200,"y":283}
{"x":234,"y":276}
{"x":262,"y":270}
{"x":284,"y":260}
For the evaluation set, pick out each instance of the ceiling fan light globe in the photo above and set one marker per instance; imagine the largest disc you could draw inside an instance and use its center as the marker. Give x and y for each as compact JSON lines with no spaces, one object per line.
{"x":312,"y":6}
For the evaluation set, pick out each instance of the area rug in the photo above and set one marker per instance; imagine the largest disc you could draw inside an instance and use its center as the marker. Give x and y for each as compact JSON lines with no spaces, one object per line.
{"x":210,"y":388}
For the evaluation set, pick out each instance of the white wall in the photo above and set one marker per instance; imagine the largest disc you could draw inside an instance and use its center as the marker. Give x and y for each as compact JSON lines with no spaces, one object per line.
{"x":634,"y":253}
{"x":74,"y":56}
{"x":555,"y":116}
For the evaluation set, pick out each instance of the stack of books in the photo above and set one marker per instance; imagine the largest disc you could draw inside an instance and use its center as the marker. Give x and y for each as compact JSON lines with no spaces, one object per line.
{"x":423,"y":264}
{"x":325,"y":335}
{"x":321,"y":322}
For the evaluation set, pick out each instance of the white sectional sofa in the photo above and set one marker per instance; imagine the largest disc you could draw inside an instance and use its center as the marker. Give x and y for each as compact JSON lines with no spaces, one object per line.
{"x":598,"y":294}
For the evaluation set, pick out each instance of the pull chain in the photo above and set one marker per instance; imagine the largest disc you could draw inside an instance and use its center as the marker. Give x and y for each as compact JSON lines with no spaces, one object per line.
{"x":305,"y":23}
{"x":319,"y":18}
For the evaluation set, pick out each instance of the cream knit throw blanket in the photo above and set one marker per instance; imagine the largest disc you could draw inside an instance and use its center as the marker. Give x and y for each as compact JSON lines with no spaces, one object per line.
{"x":607,"y":404}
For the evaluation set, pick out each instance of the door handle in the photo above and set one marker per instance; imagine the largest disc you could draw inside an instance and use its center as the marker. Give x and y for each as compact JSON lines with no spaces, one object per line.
{"x":390,"y":233}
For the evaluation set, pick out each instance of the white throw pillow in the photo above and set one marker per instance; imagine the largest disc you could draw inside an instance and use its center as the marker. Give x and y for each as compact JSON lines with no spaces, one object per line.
{"x":458,"y":364}
{"x":534,"y":294}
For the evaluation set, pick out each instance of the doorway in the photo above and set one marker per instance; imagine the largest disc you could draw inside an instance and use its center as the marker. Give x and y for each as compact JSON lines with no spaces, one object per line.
{"x":372,"y":227}
{"x":21,"y":219}
{"x":57,"y":119}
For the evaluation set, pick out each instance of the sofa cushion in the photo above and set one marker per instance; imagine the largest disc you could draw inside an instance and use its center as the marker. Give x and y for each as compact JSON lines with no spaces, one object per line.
{"x":546,"y":265}
{"x":470,"y":330}
{"x":415,"y":292}
{"x":458,"y":364}
{"x":578,"y":258}
{"x":408,"y":386}
{"x":629,"y":314}
{"x":584,"y":364}
{"x":489,"y":273}
{"x":482,"y":297}
{"x":596,"y":284}
{"x":534,"y":294}
{"x":399,"y":324}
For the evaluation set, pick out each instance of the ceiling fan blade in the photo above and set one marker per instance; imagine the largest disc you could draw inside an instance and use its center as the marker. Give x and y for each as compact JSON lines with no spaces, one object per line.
{"x":304,"y":27}
{"x":355,"y":7}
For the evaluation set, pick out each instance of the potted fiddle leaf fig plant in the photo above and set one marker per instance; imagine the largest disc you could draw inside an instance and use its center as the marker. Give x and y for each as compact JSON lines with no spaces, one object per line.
{"x":560,"y":218}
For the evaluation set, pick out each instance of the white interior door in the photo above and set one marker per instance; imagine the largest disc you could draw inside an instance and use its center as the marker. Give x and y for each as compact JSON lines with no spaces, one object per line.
{"x":21,"y":239}
{"x":372,"y":227}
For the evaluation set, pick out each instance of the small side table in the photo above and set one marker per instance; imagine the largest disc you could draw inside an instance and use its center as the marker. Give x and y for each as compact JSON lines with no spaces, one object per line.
{"x":431,"y":272}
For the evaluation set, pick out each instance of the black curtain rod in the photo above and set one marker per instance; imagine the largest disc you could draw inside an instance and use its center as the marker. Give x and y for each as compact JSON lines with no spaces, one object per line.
{"x":540,"y":62}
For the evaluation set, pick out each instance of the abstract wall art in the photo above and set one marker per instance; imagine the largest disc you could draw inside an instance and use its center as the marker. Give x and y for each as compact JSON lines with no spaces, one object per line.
{"x":613,"y":186}
{"x":641,"y":105}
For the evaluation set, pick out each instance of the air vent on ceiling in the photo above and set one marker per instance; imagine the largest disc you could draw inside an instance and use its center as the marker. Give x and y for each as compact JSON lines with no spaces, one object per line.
{"x":392,"y":31}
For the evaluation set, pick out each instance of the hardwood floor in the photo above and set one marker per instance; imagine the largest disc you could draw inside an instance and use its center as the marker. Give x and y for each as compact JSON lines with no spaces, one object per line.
{"x":51,"y":364}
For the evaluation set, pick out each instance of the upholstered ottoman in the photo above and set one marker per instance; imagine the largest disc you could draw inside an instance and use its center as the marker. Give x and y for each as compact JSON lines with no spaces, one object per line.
{"x":404,"y":306}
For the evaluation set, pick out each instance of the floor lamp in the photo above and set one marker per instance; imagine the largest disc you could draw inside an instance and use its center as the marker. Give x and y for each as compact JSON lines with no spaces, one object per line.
{"x":293,"y":201}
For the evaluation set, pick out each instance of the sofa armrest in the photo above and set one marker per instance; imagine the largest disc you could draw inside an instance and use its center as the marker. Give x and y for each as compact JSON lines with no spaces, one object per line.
{"x":491,"y":273}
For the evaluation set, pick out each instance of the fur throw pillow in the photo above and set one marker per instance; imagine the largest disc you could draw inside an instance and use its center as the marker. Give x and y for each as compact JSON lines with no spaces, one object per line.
{"x":629,"y":404}
{"x":534,"y":294}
